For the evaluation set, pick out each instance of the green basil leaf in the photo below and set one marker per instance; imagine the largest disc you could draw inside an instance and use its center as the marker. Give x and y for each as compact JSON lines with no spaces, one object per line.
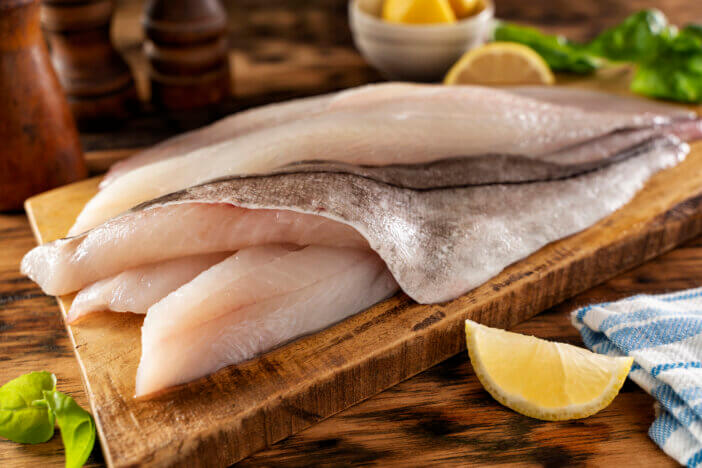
{"x":76,"y":425}
{"x":676,"y":77}
{"x":638,"y":38}
{"x":676,"y":72}
{"x":692,"y":30}
{"x":23,"y":418}
{"x":559,"y":53}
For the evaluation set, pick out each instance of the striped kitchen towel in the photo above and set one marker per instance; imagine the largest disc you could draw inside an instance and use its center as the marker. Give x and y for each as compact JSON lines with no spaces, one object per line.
{"x":663,"y":334}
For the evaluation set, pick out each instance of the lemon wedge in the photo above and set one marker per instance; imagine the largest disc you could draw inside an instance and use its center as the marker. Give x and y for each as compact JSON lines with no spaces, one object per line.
{"x":418,"y":11}
{"x":543,"y":379}
{"x":500,"y":63}
{"x":465,"y":8}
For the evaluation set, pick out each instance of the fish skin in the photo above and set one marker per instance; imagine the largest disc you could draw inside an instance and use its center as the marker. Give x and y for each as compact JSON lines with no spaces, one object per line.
{"x":251,"y":120}
{"x":487,"y":169}
{"x":438,"y":244}
{"x":432,"y":122}
{"x":137,"y":289}
{"x":251,"y":302}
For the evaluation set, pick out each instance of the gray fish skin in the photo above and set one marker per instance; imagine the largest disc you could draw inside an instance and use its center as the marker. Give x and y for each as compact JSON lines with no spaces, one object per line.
{"x":255,"y":119}
{"x":429,"y":123}
{"x":484,"y":170}
{"x":438,"y":244}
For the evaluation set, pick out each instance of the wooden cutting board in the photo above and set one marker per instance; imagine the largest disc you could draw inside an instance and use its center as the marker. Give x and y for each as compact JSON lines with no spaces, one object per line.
{"x":222,"y":418}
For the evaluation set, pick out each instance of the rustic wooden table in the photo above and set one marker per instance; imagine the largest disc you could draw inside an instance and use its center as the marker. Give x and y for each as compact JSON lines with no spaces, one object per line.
{"x":283,"y":48}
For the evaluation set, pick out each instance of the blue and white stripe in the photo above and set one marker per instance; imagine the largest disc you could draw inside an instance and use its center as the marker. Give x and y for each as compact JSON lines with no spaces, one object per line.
{"x":663,"y":334}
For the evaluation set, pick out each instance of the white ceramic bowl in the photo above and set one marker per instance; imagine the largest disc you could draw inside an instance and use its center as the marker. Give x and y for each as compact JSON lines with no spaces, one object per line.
{"x":415,"y":52}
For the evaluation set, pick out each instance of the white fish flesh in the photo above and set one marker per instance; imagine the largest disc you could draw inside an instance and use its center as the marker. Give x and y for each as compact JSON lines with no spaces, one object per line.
{"x":251,"y":302}
{"x":255,"y":119}
{"x":228,"y":127}
{"x":598,"y":101}
{"x":151,"y":236}
{"x":430,"y":123}
{"x":137,"y":289}
{"x":438,"y":242}
{"x":280,"y":113}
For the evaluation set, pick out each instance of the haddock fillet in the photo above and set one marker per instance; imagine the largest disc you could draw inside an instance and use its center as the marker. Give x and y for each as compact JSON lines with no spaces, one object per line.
{"x":438,"y":242}
{"x":280,"y":113}
{"x":427,"y":124}
{"x":253,"y":301}
{"x":137,"y":289}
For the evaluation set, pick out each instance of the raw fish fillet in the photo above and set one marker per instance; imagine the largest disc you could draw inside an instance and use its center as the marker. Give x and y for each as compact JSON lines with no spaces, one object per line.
{"x":255,"y":119}
{"x":428,"y":123}
{"x":437,"y":242}
{"x":253,"y":301}
{"x":598,"y":101}
{"x":280,"y":113}
{"x":149,"y":236}
{"x":228,"y":127}
{"x":137,"y":289}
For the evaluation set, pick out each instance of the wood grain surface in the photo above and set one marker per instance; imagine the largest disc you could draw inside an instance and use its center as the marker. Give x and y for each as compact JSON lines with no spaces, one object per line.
{"x":289,"y":48}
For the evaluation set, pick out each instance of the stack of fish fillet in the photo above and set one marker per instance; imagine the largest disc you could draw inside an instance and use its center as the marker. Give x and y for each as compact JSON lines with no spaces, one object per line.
{"x":279,"y":221}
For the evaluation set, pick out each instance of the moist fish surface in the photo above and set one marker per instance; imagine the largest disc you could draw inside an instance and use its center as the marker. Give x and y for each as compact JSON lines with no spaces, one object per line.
{"x":591,"y":100}
{"x":255,"y":119}
{"x":228,"y":127}
{"x":149,"y":236}
{"x":438,"y":243}
{"x":255,"y":300}
{"x":428,"y":123}
{"x":280,"y":113}
{"x":137,"y":289}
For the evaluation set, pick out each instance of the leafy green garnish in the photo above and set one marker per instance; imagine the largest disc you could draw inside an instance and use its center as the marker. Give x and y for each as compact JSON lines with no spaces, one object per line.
{"x":22,"y":418}
{"x":693,"y":30}
{"x":676,"y":73}
{"x":76,"y":425}
{"x":559,"y":53}
{"x":668,"y":62}
{"x":29,"y":407}
{"x":639,"y":37}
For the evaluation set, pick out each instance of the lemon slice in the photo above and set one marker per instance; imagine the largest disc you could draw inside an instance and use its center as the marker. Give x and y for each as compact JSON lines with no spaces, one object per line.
{"x":543,"y":379}
{"x":500,"y":63}
{"x":418,"y":11}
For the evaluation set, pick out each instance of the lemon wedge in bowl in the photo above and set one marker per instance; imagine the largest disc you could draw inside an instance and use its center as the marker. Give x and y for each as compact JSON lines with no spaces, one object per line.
{"x":543,"y":379}
{"x":466,"y":8}
{"x":500,"y":63}
{"x":418,"y":11}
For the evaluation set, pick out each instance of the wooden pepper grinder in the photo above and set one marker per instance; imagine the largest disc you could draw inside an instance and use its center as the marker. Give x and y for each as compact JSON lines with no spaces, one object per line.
{"x":97,"y":81}
{"x":187,"y":48}
{"x":40,"y":147}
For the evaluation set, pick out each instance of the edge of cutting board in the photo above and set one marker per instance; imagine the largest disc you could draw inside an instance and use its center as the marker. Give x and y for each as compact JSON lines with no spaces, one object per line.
{"x":241,"y":409}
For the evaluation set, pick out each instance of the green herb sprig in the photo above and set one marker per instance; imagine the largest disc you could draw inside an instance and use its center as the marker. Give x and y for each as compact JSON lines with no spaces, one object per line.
{"x":30,"y":407}
{"x":559,"y":53}
{"x":668,"y":61}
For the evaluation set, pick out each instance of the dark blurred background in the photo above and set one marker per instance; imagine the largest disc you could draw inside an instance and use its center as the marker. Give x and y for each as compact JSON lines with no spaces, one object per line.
{"x":275,"y":42}
{"x":288,"y":48}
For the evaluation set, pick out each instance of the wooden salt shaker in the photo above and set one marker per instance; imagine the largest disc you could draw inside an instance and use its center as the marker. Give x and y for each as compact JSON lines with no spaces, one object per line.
{"x":40,"y":147}
{"x":97,"y":81}
{"x":187,"y":49}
